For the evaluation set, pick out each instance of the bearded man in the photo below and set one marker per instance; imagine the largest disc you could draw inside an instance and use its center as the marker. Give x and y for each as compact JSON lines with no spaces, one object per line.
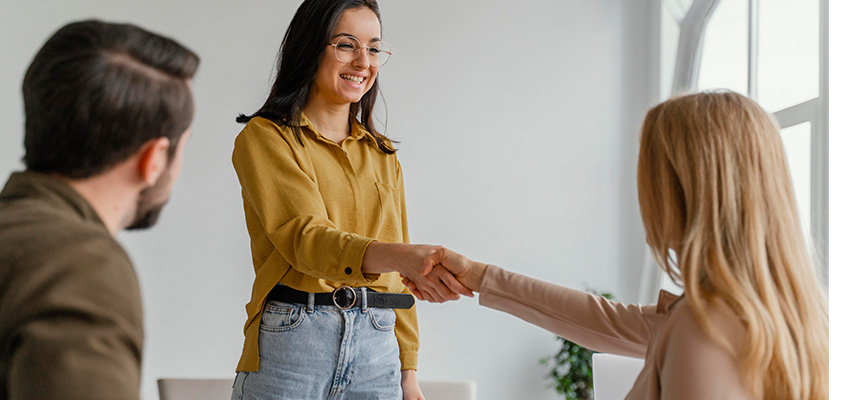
{"x":108,"y":110}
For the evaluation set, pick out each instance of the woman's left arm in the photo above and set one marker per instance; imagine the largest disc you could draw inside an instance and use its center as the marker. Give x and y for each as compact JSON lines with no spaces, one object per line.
{"x":407,"y":324}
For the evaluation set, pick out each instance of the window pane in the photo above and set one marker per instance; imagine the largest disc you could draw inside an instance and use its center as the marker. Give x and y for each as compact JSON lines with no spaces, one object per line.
{"x":724,"y":57}
{"x":788,"y":53}
{"x":677,"y":8}
{"x":669,"y":44}
{"x":797,"y":140}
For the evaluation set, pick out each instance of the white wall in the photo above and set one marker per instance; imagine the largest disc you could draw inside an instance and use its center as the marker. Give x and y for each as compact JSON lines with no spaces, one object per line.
{"x":518,"y":126}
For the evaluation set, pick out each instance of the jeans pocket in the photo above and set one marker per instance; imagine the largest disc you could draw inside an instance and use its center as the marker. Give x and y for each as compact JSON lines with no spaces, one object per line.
{"x":383,"y":319}
{"x":280,"y":317}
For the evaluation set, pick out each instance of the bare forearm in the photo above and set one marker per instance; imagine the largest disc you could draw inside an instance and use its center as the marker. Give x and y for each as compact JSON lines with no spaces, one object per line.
{"x":375,"y":258}
{"x":387,"y":257}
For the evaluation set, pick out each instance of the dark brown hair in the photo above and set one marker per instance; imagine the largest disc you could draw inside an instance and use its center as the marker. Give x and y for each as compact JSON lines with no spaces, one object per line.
{"x":96,"y":92}
{"x":298,"y":62}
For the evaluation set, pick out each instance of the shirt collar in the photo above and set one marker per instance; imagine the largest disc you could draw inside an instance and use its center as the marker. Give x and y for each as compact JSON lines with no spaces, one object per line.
{"x":667,"y":300}
{"x":358,"y":131}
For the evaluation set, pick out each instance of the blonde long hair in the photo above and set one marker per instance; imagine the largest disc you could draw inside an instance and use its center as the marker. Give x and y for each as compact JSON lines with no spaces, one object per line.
{"x":721,"y":219}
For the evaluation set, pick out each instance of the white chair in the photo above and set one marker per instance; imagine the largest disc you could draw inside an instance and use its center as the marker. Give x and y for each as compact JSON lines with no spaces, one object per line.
{"x":614,"y":376}
{"x":448,"y":390}
{"x":194,"y":389}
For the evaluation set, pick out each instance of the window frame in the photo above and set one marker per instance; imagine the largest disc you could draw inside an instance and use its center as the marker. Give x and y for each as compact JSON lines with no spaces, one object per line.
{"x":693,"y":21}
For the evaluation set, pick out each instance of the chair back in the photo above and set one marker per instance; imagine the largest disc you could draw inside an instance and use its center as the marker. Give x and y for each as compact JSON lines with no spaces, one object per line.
{"x":194,"y":389}
{"x":614,"y":376}
{"x":448,"y":390}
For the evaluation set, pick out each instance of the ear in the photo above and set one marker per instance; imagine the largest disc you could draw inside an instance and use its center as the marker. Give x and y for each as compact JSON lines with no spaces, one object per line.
{"x":153,"y":160}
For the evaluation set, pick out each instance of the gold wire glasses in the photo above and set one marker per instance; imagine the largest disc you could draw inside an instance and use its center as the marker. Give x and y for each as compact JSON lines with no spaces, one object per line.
{"x":347,"y":48}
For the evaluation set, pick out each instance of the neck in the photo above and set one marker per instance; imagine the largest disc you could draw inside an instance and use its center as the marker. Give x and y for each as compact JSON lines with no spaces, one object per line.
{"x":330,"y":120}
{"x":112,"y":197}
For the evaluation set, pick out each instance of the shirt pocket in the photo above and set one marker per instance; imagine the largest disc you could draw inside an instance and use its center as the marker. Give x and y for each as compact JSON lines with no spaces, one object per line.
{"x":389,"y":226}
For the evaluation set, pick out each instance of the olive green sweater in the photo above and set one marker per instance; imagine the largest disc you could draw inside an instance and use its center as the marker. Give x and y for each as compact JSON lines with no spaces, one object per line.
{"x":70,"y":306}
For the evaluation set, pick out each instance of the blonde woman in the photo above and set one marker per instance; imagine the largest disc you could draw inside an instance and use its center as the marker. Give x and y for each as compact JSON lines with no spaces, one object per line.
{"x":721,"y":219}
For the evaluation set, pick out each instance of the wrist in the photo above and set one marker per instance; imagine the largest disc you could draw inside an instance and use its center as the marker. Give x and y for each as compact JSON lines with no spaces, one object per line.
{"x":374,"y":258}
{"x":476,"y":276}
{"x":408,"y":374}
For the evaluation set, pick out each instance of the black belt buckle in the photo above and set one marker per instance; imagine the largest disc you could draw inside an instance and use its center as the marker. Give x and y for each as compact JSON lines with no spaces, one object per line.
{"x":343,"y":291}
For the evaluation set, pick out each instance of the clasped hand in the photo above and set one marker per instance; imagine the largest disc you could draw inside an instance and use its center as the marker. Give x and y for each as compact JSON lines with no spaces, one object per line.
{"x":445,"y":275}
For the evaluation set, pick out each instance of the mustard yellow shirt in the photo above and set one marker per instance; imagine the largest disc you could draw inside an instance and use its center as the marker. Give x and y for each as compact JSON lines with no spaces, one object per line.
{"x":311,"y":211}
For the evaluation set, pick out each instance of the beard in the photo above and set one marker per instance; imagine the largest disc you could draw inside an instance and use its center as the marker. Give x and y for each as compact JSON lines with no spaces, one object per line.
{"x":146,"y":218}
{"x":148,"y":209}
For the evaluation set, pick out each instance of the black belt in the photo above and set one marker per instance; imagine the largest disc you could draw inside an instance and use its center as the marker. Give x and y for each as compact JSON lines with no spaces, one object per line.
{"x":344,"y":297}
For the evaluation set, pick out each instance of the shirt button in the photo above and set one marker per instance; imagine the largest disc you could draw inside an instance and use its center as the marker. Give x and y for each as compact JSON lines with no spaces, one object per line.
{"x":348,"y":271}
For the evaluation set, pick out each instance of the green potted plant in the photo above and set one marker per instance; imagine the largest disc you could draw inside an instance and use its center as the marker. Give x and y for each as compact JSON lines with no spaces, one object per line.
{"x":571,"y":370}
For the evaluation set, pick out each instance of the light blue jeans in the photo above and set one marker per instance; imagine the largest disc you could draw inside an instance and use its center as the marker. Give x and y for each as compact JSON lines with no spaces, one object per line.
{"x":322,"y":352}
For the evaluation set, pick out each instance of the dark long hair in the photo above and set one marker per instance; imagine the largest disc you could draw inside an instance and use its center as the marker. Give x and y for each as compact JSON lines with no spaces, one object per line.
{"x":298,"y":63}
{"x":97,"y":91}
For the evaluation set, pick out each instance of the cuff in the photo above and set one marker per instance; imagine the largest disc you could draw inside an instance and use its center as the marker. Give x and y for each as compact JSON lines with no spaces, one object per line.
{"x":351,"y":261}
{"x":409,"y":359}
{"x":489,"y":276}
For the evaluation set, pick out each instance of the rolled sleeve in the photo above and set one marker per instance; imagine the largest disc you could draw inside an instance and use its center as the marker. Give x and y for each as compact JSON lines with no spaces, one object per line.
{"x":351,"y":261}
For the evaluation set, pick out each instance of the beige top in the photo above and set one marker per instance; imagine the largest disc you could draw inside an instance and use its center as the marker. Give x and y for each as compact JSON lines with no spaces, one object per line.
{"x":682,"y":362}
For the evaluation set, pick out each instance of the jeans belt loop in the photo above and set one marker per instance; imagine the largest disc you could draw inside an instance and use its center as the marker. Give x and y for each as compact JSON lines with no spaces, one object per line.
{"x":363,"y":298}
{"x":311,"y":301}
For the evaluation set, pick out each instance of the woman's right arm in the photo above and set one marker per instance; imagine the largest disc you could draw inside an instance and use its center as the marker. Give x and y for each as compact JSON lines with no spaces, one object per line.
{"x":290,"y":208}
{"x":589,"y":320}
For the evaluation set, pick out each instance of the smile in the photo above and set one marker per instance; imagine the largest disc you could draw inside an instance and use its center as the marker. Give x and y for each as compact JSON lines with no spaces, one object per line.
{"x":352,"y":78}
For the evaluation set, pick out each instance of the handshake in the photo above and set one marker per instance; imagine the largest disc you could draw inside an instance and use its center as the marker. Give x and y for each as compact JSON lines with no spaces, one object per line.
{"x":432,"y":273}
{"x":445,"y":275}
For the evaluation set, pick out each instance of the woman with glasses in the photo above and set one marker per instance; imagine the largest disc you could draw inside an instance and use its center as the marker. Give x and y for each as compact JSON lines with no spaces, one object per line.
{"x":324,"y":205}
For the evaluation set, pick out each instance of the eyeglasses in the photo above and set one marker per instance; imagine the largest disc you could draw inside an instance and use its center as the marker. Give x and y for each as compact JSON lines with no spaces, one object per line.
{"x":347,"y":48}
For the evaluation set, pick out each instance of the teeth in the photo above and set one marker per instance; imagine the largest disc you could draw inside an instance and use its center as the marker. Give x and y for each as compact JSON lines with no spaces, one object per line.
{"x":352,"y":78}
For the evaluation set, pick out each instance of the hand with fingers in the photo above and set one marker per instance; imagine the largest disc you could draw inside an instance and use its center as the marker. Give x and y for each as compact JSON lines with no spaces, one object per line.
{"x":439,"y":276}
{"x":414,"y":261}
{"x":438,"y":286}
{"x":447,"y":267}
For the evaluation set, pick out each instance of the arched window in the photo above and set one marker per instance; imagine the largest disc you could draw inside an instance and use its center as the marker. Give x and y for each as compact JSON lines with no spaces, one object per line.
{"x":776,"y":52}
